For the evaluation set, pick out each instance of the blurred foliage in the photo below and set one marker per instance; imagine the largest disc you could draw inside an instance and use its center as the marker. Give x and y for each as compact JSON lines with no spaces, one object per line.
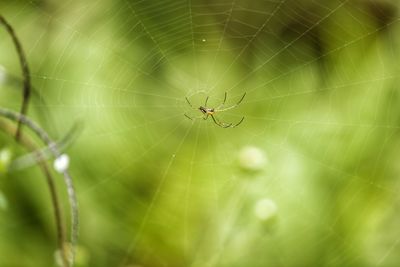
{"x":155,"y":189}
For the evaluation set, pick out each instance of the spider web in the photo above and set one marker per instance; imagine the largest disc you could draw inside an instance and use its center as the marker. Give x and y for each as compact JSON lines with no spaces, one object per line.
{"x":156,"y":189}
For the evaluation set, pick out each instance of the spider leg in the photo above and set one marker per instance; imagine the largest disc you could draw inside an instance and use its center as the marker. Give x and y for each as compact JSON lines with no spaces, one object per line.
{"x":188,"y":102}
{"x":232,"y":107}
{"x":205,"y":104}
{"x":224,"y":125}
{"x":188,"y":117}
{"x":240,"y":101}
{"x":223,"y":103}
{"x":226,"y":94}
{"x":195,"y":118}
{"x":219,"y":123}
{"x":237,"y":124}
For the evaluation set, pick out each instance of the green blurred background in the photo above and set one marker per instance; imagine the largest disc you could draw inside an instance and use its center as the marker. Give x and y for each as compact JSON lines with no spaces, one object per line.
{"x":310,"y":178}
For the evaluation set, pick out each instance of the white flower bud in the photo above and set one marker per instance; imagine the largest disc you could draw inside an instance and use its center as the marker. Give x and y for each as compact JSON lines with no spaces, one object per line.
{"x":61,"y":163}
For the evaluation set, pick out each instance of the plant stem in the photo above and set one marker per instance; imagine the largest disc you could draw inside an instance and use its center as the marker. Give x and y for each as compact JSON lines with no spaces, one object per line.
{"x":26,"y":142}
{"x":25,"y":71}
{"x":9,"y":114}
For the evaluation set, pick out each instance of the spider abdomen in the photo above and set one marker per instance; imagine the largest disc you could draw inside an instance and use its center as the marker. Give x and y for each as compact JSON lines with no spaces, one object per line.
{"x":207,"y":110}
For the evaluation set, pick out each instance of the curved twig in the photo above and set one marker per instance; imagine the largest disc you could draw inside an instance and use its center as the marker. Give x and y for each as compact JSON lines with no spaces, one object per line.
{"x":9,"y":114}
{"x":26,"y":142}
{"x":44,"y":111}
{"x":30,"y":159}
{"x":25,"y":71}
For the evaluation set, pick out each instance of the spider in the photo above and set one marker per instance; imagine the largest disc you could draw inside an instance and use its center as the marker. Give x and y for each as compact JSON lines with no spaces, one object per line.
{"x":212,"y":111}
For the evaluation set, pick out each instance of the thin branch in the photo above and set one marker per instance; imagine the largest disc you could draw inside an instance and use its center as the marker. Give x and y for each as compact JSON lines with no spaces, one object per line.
{"x":26,"y":142}
{"x":25,"y":71}
{"x":43,"y":111}
{"x":9,"y":114}
{"x":30,"y":159}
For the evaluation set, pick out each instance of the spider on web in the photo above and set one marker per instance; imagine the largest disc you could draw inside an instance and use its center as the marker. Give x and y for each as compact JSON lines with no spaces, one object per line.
{"x":206,"y":112}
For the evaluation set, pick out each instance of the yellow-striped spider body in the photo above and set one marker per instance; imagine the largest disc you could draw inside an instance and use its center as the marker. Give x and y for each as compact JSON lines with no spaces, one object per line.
{"x":212,"y":111}
{"x":208,"y":111}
